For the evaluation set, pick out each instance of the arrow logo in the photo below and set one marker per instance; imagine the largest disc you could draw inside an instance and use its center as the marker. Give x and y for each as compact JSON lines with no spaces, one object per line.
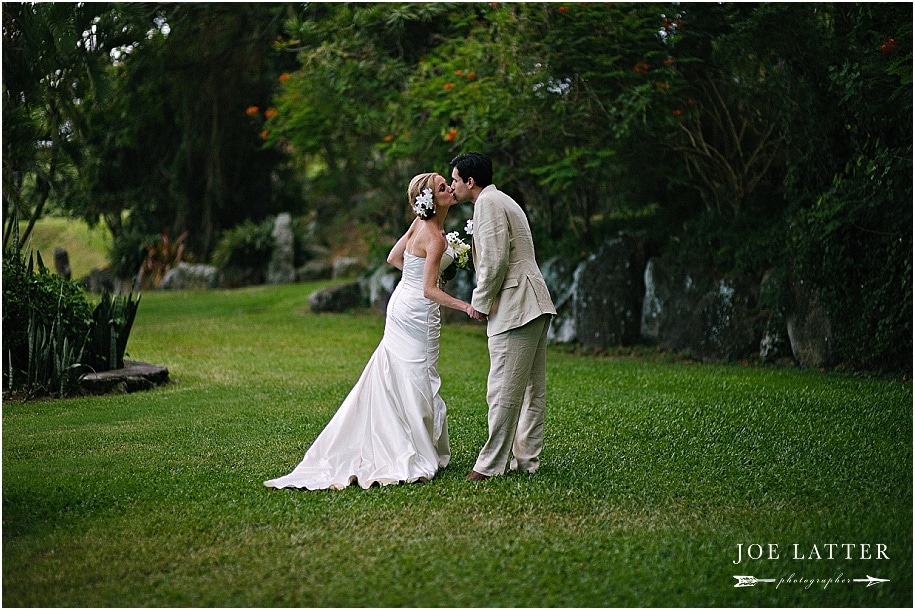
{"x":750,"y":581}
{"x":871,"y":581}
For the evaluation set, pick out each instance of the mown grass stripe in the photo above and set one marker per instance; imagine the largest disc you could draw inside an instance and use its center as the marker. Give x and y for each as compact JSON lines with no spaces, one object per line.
{"x":654,"y":470}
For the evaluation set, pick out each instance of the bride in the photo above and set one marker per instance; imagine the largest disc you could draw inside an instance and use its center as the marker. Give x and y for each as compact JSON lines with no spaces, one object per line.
{"x":392,"y":427}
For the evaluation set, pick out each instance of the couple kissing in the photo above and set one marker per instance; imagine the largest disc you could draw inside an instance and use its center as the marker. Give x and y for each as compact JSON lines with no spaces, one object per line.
{"x":392,"y":427}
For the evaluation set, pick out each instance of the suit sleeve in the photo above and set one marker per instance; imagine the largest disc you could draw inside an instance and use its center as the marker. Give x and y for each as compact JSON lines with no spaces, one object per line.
{"x":491,"y":240}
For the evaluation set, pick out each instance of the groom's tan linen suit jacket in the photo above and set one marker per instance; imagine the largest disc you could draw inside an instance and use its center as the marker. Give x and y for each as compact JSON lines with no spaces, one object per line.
{"x":510,"y":288}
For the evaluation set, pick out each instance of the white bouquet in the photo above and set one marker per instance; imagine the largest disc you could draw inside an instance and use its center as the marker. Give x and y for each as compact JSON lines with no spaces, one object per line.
{"x":460,"y":248}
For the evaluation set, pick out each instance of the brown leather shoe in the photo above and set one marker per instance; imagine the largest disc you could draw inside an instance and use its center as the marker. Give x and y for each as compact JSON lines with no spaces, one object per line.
{"x":476,"y":476}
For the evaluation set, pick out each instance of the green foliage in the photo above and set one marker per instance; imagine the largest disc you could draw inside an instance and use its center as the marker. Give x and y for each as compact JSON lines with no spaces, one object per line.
{"x":112,"y":321}
{"x":54,"y":363}
{"x":714,"y":125}
{"x":334,"y":110}
{"x":172,"y":142}
{"x":51,"y":333}
{"x":853,"y":243}
{"x":855,"y":247}
{"x":833,"y":91}
{"x":161,"y":256}
{"x":45,"y":323}
{"x":248,"y":245}
{"x":305,"y":239}
{"x":550,"y":102}
{"x":54,"y":59}
{"x":128,"y":252}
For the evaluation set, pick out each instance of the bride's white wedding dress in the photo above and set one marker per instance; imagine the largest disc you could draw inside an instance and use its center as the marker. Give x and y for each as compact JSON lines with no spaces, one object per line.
{"x":392,"y":427}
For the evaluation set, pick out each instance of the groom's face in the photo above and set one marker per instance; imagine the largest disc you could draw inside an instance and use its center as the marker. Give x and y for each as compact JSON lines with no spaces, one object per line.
{"x":460,"y":188}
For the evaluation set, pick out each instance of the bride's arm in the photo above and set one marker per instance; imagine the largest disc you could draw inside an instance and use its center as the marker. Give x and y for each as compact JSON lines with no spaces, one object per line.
{"x":395,"y":257}
{"x":434,"y":251}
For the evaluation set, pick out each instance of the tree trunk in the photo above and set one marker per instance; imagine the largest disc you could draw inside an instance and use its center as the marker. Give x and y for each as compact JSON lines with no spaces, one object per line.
{"x":43,"y":198}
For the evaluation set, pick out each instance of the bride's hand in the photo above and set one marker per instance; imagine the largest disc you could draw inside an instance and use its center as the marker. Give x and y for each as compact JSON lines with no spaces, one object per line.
{"x":474,"y":314}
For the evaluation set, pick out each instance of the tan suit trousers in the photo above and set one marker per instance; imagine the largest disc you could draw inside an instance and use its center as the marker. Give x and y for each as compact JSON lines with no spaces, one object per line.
{"x":516,"y":394}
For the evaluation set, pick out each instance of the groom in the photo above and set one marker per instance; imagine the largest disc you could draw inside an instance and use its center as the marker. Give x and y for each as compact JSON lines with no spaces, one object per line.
{"x":511,"y":292}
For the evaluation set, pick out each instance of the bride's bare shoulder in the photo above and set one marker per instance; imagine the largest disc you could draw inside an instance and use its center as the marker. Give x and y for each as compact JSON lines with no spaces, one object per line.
{"x":426,"y":238}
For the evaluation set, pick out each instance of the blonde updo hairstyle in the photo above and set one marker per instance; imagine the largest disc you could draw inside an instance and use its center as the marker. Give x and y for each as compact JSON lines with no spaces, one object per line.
{"x":418,"y":184}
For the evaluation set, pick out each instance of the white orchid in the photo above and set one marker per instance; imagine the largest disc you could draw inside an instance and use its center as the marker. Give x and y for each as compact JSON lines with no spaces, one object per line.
{"x":424,"y":203}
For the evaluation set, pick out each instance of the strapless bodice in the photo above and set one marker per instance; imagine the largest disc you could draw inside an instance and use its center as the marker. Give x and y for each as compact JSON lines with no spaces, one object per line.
{"x":413,"y":266}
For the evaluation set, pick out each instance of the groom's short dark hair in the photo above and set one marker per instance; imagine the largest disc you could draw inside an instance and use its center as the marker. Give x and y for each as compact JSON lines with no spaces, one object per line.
{"x":474,"y":165}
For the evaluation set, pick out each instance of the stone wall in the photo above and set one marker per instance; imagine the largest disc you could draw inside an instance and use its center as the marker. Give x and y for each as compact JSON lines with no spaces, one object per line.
{"x":616,"y":298}
{"x":609,"y":292}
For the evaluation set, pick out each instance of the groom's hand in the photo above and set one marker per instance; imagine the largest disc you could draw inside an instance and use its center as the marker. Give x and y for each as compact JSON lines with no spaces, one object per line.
{"x":477,"y":315}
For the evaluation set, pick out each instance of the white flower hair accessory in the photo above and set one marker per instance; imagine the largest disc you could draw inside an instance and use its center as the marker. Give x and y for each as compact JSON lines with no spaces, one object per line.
{"x":424,"y":204}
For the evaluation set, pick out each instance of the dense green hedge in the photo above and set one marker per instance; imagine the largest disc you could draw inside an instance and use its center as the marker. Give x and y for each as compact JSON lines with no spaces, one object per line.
{"x":41,"y":310}
{"x":52,"y":334}
{"x":855,"y":248}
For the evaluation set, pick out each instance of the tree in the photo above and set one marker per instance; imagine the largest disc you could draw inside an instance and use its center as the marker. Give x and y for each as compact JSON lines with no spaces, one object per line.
{"x":333,"y":112}
{"x":853,"y":242}
{"x":744,"y":138}
{"x":389,"y":90}
{"x":54,"y":56}
{"x":175,"y":145}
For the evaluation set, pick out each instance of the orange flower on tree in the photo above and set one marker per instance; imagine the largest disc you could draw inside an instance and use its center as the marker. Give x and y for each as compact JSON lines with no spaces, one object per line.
{"x":471,"y":75}
{"x":270,"y":113}
{"x":451,"y":135}
{"x":459,"y":72}
{"x":641,"y":68}
{"x":284,"y":77}
{"x":388,"y":138}
{"x":252,"y":110}
{"x":264,"y":134}
{"x":563,"y":9}
{"x":449,"y":86}
{"x":677,"y":112}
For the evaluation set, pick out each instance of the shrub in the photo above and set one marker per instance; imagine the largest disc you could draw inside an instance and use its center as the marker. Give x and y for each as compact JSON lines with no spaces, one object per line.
{"x":51,"y":333}
{"x":128,"y":252}
{"x":855,"y":247}
{"x":42,"y":314}
{"x":53,"y":361}
{"x":112,"y":320}
{"x":162,"y":256}
{"x":246,"y":246}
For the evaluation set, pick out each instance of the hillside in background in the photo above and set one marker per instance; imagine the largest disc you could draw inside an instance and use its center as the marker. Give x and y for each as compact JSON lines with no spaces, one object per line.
{"x":86,"y":247}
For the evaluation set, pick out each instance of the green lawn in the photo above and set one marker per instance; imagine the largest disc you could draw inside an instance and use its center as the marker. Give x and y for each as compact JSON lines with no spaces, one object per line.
{"x":86,"y":248}
{"x":653,"y":473}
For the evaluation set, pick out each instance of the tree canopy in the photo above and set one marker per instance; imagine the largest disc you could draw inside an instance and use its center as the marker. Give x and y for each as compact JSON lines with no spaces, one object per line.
{"x":750,"y":138}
